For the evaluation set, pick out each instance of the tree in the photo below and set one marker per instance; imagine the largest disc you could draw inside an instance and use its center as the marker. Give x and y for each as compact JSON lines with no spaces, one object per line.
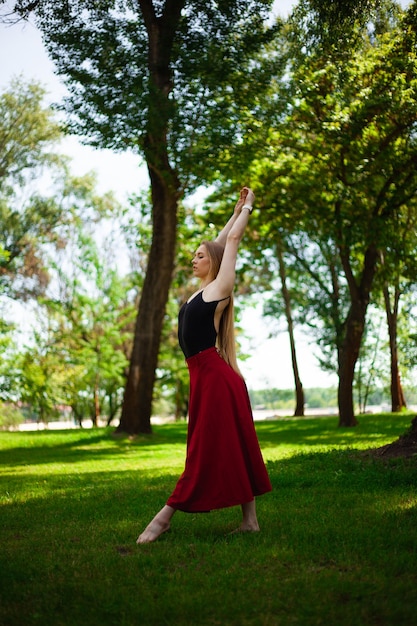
{"x":166,"y":79}
{"x":299,"y":394}
{"x":77,"y":354}
{"x":371,"y":370}
{"x":40,"y":380}
{"x":282,"y":302}
{"x":172,"y":373}
{"x":28,"y":131}
{"x":398,"y":401}
{"x":93,"y":317}
{"x":38,"y":230}
{"x":89,"y":304}
{"x":398,"y":275}
{"x":28,"y":137}
{"x":346,"y":155}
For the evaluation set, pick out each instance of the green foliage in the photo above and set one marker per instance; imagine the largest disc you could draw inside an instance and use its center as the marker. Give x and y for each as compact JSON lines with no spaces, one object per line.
{"x":135,"y":82}
{"x":101,"y":51}
{"x":334,"y":168}
{"x":28,"y":131}
{"x":39,"y":381}
{"x":28,"y":137}
{"x":4,"y":254}
{"x":335,"y":172}
{"x":323,"y":397}
{"x":407,"y":335}
{"x":10,"y":416}
{"x":91,"y":327}
{"x":96,"y":494}
{"x":336,"y":26}
{"x":8,"y":362}
{"x":77,"y":353}
{"x":326,"y":397}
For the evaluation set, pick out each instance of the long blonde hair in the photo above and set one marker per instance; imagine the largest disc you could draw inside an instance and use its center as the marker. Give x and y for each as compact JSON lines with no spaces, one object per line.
{"x":226,"y":342}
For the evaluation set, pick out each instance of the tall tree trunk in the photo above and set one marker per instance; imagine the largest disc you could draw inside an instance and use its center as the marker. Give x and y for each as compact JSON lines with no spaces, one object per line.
{"x":181,"y":400}
{"x":397,"y":395}
{"x":348,"y":355}
{"x":354,"y":327}
{"x":96,"y":408}
{"x":299,"y":392}
{"x":137,"y":403}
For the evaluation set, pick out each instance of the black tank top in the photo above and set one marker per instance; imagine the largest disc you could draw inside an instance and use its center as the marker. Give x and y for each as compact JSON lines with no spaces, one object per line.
{"x":196,"y":330}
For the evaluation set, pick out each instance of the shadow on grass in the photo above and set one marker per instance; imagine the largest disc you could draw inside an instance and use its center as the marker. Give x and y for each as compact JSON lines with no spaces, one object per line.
{"x":87,"y":494}
{"x":288,"y":436}
{"x":71,"y":446}
{"x":308,"y":433}
{"x":341,"y":471}
{"x":321,"y":488}
{"x":337,"y":546}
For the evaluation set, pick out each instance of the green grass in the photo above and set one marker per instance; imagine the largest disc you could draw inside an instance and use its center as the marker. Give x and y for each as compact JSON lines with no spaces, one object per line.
{"x":338,"y":544}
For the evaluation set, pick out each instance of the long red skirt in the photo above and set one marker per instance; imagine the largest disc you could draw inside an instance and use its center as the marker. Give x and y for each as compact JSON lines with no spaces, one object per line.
{"x":224,"y":465}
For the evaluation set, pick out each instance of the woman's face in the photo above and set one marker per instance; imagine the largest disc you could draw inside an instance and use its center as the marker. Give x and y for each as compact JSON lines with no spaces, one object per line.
{"x":201,"y":263}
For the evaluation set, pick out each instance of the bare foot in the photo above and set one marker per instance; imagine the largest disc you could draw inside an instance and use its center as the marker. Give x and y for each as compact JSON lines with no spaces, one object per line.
{"x":246,"y":528}
{"x":153,"y":530}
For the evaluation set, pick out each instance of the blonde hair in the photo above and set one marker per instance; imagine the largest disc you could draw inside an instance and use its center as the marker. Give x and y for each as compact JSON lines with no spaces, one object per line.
{"x":226,"y":342}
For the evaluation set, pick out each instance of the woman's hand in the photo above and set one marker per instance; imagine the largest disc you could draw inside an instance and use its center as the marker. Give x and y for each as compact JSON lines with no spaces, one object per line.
{"x":246,"y":196}
{"x":249,"y":195}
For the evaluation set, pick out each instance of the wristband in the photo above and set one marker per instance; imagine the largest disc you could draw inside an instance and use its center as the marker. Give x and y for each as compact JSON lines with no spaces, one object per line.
{"x":248,"y":207}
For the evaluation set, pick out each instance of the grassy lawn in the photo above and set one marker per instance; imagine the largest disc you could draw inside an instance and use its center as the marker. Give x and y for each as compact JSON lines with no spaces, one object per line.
{"x":338,"y":544}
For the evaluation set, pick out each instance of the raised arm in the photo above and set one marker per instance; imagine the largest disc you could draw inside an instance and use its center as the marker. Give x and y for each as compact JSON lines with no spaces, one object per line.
{"x":222,"y":236}
{"x":223,"y":285}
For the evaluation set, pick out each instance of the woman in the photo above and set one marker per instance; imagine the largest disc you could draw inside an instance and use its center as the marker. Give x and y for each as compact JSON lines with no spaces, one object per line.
{"x":224,"y":465}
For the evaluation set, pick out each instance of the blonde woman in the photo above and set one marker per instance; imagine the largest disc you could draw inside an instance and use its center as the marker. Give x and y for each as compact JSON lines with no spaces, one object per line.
{"x":224,"y":465}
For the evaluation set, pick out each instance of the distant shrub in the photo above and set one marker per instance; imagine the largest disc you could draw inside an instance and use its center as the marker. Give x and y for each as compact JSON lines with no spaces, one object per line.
{"x":10,"y":417}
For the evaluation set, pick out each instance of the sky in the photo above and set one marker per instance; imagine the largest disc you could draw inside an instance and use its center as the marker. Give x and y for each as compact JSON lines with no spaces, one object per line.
{"x":269,"y":365}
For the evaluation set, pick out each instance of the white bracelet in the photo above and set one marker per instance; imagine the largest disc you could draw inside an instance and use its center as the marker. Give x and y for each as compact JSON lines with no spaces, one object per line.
{"x":248,"y":207}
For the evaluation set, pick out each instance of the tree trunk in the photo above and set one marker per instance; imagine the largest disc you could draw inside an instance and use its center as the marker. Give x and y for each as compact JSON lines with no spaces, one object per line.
{"x":299,"y":392}
{"x":181,"y":400}
{"x":96,"y":410}
{"x":137,"y":403}
{"x":114,"y":406}
{"x":397,"y":395}
{"x":404,"y":447}
{"x":349,"y":353}
{"x":354,"y":327}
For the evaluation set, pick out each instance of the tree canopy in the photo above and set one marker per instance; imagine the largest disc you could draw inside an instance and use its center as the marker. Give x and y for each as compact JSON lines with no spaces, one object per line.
{"x":317,"y":113}
{"x":336,"y":170}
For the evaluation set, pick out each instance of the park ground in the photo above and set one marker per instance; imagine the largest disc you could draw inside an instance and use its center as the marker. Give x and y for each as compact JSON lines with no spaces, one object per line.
{"x":338,"y":540}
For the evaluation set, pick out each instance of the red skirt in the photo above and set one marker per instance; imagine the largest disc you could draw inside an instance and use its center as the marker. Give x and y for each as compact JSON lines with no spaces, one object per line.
{"x":224,"y":465}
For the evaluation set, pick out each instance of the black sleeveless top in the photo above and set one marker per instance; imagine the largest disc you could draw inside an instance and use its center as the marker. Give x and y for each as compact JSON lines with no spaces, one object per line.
{"x":196,"y":330}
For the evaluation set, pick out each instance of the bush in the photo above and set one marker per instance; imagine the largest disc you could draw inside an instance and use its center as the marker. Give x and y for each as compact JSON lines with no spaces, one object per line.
{"x":10,"y":417}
